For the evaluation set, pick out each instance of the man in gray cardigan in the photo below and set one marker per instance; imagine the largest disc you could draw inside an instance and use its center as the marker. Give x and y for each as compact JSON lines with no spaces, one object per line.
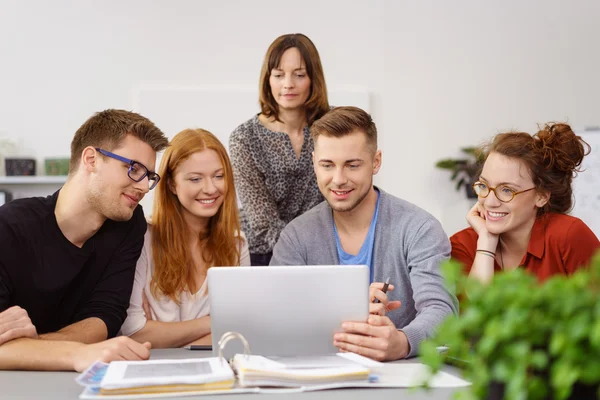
{"x":361,"y":224}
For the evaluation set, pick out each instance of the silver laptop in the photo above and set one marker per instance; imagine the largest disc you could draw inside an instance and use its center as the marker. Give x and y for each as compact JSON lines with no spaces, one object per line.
{"x":286,"y":311}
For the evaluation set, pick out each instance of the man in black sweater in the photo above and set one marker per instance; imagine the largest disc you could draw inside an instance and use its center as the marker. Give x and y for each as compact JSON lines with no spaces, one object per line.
{"x":67,"y":261}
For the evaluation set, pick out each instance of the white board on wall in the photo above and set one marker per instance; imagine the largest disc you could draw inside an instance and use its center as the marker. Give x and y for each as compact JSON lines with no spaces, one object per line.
{"x":218,"y":109}
{"x":586,"y":187}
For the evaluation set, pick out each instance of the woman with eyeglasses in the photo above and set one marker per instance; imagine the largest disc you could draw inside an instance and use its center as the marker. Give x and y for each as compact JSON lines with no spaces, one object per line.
{"x":520,"y":219}
{"x":195,"y":226}
{"x":272,"y":152}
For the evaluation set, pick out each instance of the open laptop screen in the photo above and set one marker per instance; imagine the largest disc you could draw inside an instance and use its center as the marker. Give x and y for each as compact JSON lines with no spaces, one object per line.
{"x":286,"y":310}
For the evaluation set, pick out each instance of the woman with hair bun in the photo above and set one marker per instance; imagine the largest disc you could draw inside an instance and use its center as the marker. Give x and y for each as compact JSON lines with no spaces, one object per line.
{"x":520,"y":220}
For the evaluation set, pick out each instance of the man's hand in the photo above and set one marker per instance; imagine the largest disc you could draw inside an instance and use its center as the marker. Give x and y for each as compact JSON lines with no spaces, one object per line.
{"x":378,"y":339}
{"x":116,"y":349}
{"x":384,"y":306}
{"x":15,"y":323}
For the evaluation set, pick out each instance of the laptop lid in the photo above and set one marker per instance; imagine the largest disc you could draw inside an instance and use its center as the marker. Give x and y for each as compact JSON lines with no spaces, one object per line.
{"x":286,"y":311}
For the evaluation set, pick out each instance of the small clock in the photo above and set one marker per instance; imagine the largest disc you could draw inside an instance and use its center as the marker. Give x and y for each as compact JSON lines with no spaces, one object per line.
{"x":19,"y":166}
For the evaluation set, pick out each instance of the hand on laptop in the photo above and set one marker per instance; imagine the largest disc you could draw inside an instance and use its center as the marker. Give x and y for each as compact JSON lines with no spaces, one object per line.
{"x":15,"y":323}
{"x":384,"y":306}
{"x":116,"y":349}
{"x":378,"y":339}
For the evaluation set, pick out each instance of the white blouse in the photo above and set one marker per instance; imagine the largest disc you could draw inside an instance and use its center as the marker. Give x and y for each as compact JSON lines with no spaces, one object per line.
{"x":164,"y":308}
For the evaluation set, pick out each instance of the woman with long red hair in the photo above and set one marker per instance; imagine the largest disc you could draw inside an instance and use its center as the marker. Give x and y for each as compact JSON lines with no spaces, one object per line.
{"x":195,"y":226}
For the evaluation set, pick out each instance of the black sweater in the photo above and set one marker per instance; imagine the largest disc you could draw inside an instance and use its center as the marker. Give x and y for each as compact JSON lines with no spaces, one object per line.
{"x":58,"y":283}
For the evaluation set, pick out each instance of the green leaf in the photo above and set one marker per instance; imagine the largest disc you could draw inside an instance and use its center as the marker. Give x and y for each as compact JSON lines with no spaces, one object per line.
{"x":449,"y":163}
{"x":501,"y":371}
{"x":579,"y":326}
{"x":563,"y":375}
{"x":537,"y":388}
{"x":516,"y":387}
{"x":590,"y":371}
{"x":558,"y":343}
{"x":518,"y":351}
{"x":460,"y":182}
{"x":465,"y":395}
{"x":472,"y":318}
{"x":595,"y":334}
{"x":430,"y":356}
{"x":539,"y":359}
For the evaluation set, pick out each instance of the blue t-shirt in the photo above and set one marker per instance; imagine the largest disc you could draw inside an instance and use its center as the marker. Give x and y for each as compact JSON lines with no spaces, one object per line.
{"x":365,"y":255}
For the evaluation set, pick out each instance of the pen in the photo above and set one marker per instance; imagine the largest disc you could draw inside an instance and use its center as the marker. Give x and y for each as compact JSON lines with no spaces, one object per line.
{"x":199,"y":347}
{"x":385,"y":288}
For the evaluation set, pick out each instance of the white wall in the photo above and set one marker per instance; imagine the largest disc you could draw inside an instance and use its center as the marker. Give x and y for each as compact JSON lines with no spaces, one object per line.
{"x":459,"y":72}
{"x":441,"y":74}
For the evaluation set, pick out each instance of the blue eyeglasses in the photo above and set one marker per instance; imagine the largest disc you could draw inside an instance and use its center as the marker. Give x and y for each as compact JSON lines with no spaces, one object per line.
{"x":137,"y":171}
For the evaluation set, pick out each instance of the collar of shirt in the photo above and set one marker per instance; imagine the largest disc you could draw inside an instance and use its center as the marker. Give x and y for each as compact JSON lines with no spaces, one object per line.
{"x":537,"y":241}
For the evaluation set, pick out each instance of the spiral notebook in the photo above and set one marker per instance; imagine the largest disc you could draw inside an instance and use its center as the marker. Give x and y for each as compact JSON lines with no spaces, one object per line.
{"x":247,"y":373}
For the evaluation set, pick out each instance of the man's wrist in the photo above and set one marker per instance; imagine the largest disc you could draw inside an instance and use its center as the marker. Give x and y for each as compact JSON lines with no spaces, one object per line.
{"x":404,"y":345}
{"x":72,"y":352}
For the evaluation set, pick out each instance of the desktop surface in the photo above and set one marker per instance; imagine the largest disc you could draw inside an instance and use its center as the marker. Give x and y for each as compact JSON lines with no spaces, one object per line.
{"x":62,"y":385}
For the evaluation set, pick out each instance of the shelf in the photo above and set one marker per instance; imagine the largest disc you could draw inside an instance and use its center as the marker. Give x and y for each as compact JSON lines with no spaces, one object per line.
{"x":32,"y":180}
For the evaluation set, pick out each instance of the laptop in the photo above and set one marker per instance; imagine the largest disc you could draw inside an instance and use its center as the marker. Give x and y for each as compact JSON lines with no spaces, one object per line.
{"x":286,"y":310}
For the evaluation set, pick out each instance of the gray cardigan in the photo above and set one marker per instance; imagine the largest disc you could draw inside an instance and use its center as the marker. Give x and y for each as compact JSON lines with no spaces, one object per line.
{"x":409,"y":247}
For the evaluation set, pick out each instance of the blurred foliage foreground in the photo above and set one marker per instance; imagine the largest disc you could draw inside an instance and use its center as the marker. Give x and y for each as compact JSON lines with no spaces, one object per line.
{"x":521,"y":339}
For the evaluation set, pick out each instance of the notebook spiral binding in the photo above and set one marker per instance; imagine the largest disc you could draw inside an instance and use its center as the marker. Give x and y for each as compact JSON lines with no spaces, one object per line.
{"x":228,"y":336}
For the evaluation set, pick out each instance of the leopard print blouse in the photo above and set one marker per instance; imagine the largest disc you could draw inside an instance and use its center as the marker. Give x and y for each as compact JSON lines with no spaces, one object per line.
{"x":273,"y":185}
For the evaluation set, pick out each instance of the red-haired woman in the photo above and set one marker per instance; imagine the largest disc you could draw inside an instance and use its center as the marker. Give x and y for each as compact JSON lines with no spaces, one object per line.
{"x":520,"y":220}
{"x":195,"y":226}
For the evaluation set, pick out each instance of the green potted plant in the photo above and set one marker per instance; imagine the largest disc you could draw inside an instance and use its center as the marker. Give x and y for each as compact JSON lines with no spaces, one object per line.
{"x":464,"y":170}
{"x":519,"y":339}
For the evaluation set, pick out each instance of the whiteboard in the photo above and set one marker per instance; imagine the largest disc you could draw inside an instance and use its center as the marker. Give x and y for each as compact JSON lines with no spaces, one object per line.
{"x":217,"y":108}
{"x":586,"y":187}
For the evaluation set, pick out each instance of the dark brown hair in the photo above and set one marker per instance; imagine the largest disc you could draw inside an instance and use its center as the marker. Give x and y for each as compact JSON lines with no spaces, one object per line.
{"x":553,"y":156}
{"x":108,"y":128}
{"x":342,"y":121}
{"x":317,"y":104}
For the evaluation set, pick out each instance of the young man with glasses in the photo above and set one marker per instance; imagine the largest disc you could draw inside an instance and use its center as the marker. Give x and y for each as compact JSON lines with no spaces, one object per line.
{"x":67,"y":261}
{"x":520,"y":219}
{"x":361,"y":224}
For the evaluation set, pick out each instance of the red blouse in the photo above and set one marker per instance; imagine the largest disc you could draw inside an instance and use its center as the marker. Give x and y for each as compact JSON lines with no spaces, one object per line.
{"x":559,"y":244}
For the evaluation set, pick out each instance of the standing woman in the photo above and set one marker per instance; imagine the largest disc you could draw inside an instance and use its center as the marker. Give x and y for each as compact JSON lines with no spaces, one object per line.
{"x":272,"y":152}
{"x":520,"y":220}
{"x":195,"y":226}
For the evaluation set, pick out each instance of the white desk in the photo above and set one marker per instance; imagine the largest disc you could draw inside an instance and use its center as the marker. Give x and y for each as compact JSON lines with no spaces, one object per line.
{"x":62,"y":385}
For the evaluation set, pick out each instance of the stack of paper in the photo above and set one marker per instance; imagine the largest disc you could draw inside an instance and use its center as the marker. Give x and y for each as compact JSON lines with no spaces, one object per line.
{"x":256,"y":374}
{"x":296,"y":372}
{"x":158,"y":376}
